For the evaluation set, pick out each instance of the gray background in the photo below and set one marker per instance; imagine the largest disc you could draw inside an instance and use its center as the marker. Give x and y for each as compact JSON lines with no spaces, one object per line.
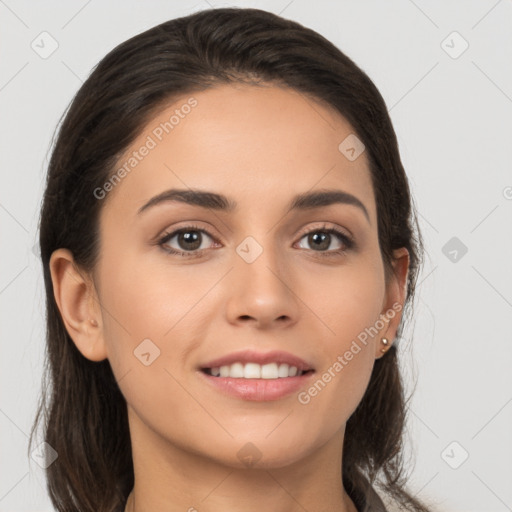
{"x":452,"y":114}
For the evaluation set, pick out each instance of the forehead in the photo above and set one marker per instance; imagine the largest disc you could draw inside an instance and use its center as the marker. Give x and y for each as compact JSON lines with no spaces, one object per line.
{"x":252,"y":143}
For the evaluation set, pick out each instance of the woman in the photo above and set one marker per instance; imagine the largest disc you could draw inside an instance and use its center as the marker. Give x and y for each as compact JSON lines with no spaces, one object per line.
{"x":229,"y":246}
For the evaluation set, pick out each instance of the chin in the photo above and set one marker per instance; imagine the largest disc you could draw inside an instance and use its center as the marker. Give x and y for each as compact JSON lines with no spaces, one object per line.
{"x":259,"y":452}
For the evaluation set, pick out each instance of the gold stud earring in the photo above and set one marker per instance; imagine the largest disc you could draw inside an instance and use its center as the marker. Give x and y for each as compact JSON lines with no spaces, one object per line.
{"x":385,"y":342}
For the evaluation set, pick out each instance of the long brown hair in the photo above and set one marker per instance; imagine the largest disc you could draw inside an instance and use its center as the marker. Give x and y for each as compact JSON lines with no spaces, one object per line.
{"x":84,"y":412}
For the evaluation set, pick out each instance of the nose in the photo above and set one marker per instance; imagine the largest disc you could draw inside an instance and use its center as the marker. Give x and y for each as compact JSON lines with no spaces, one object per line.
{"x":260,"y":292}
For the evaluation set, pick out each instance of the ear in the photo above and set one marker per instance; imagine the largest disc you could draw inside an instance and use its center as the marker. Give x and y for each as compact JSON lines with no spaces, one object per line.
{"x":396,"y":293}
{"x":76,"y":299}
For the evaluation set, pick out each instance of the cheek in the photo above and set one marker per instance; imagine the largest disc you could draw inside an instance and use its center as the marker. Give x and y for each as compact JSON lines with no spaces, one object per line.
{"x":349,"y":308}
{"x":156,"y":316}
{"x":147,"y":315}
{"x":336,"y":390}
{"x":144,"y":300}
{"x":347,"y":302}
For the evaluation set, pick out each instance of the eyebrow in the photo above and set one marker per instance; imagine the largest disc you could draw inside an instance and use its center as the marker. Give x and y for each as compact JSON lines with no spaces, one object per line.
{"x":219,"y":202}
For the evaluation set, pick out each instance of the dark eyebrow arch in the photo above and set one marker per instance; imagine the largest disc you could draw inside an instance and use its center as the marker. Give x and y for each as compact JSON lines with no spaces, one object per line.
{"x":219,"y":202}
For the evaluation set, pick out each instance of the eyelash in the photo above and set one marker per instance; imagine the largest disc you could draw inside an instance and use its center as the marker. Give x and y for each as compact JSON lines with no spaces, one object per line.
{"x":345,"y":239}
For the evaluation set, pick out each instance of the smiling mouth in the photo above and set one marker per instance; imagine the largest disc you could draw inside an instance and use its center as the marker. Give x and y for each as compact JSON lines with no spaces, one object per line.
{"x":256,"y":371}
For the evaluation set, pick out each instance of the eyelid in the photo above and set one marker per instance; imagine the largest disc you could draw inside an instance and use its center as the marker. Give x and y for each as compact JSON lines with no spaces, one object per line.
{"x":326,"y":226}
{"x":191,"y":226}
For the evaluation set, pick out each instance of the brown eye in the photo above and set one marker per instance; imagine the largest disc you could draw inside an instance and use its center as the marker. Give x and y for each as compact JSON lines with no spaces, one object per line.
{"x":321,"y":239}
{"x":188,"y":241}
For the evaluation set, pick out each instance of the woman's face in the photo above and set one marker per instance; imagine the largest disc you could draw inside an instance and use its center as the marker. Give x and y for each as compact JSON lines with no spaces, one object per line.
{"x":260,"y":276}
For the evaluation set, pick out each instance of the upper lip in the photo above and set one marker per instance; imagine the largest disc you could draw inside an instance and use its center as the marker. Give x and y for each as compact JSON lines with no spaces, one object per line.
{"x":251,"y":356}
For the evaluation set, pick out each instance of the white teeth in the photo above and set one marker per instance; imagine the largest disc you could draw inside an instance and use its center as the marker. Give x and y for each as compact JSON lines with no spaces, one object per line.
{"x":236,"y":371}
{"x":251,"y":371}
{"x":270,"y":371}
{"x":256,"y":371}
{"x":283,"y":370}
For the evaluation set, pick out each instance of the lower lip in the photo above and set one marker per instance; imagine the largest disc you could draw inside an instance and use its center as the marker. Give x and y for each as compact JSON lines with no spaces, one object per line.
{"x":258,"y":390}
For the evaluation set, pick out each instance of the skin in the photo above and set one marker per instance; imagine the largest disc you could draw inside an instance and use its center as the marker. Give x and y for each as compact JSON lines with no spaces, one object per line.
{"x":260,"y":146}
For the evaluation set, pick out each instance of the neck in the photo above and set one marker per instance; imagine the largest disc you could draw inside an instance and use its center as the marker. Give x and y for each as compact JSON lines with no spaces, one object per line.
{"x":171,"y":479}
